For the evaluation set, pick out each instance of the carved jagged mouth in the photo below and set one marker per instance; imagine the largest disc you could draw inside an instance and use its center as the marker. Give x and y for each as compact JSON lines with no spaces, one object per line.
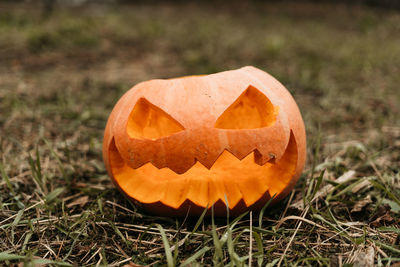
{"x":229,"y":178}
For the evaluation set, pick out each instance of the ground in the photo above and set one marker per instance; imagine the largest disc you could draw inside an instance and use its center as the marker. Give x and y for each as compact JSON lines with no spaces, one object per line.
{"x":61,"y":74}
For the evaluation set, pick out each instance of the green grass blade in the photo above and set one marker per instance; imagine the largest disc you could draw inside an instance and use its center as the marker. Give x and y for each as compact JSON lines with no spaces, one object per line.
{"x":386,"y":246}
{"x":59,"y":162}
{"x":265,"y":231}
{"x":41,"y":262}
{"x":26,"y":240}
{"x":317,"y":185}
{"x":54,"y":194}
{"x":200,"y":220}
{"x":6,"y":179}
{"x":115,"y":228}
{"x":167,"y":248}
{"x":217,"y":243}
{"x":260,"y":253}
{"x":195,"y":256}
{"x":4,"y":256}
{"x":35,"y":175}
{"x":18,"y":218}
{"x":389,"y":229}
{"x":260,"y":216}
{"x":383,"y":188}
{"x":272,"y":263}
{"x":231,"y":250}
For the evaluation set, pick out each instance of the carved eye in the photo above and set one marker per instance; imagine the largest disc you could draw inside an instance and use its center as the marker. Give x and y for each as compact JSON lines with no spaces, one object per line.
{"x":147,"y":121}
{"x":252,"y":109}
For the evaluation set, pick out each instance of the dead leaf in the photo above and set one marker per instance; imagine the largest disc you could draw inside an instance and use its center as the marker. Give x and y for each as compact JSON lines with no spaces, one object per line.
{"x":382,"y":220}
{"x":392,"y":204}
{"x":79,"y":201}
{"x":131,"y":264}
{"x":360,"y":186}
{"x":81,"y":185}
{"x":361,"y":204}
{"x":364,"y":257}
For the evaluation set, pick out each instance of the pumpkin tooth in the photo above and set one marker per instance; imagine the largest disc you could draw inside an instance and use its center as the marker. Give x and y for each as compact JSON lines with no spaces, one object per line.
{"x":149,"y":192}
{"x":175,"y":193}
{"x":198,"y":192}
{"x":252,"y":189}
{"x":207,"y":164}
{"x":232,"y":192}
{"x":182,"y":166}
{"x":240,"y":155}
{"x":216,"y":190}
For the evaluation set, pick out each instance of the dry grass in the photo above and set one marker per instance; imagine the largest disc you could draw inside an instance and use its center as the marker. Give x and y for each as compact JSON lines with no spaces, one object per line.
{"x":61,"y":76}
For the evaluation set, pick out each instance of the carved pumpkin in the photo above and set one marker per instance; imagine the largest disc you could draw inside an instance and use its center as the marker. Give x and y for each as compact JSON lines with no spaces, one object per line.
{"x":182,"y":144}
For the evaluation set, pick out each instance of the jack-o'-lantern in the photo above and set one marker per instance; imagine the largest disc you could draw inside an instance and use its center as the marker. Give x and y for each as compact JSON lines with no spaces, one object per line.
{"x":231,"y":139}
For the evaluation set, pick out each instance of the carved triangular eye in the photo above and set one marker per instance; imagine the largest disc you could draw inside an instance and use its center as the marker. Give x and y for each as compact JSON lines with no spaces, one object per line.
{"x":147,"y":121}
{"x":252,"y":109}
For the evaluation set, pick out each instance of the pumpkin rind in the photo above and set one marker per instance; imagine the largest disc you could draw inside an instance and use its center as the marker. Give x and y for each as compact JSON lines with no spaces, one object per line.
{"x":192,"y":155}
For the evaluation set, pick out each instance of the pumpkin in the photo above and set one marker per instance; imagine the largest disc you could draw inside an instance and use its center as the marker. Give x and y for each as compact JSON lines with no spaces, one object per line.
{"x":231,"y":139}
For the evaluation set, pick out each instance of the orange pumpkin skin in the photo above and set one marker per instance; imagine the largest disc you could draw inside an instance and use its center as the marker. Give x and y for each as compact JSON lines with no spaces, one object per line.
{"x":231,"y":139}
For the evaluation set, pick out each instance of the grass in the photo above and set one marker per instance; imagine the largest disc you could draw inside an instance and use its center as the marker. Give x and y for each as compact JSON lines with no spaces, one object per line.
{"x":60,"y":77}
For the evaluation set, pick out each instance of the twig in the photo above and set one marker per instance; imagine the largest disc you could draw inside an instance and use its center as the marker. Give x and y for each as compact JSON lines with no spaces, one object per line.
{"x":251,"y":238}
{"x":292,"y":238}
{"x":293,"y":217}
{"x":15,"y":215}
{"x":94,"y":254}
